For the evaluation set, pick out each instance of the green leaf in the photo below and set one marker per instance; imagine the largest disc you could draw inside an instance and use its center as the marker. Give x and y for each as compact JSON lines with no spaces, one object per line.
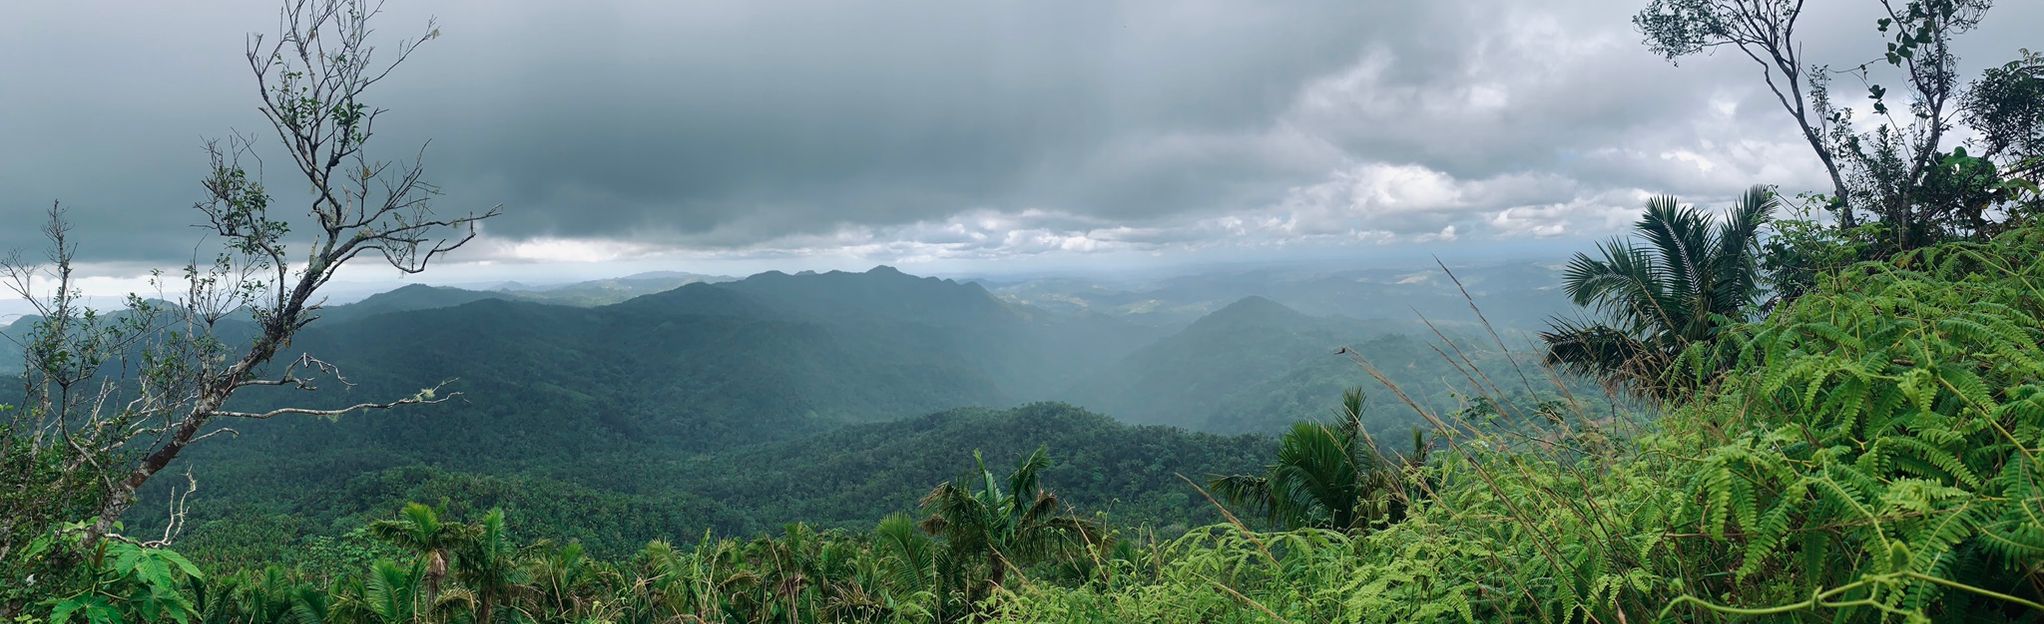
{"x":95,"y":607}
{"x":191,"y":571}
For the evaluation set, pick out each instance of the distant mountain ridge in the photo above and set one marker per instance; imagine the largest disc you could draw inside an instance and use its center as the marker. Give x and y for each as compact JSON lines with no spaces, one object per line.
{"x":850,"y":347}
{"x":1518,"y":296}
{"x":554,"y":393}
{"x":1258,"y":365}
{"x":881,"y":294}
{"x":698,"y":366}
{"x":407,"y":298}
{"x":613,"y":290}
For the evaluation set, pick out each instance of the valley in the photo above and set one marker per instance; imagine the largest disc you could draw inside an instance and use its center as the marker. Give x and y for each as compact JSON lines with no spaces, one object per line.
{"x":709,"y":379}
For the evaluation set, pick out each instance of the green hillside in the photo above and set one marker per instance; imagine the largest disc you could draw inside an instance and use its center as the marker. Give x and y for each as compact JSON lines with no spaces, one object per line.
{"x":844,"y":477}
{"x":1257,"y":366}
{"x":616,"y":498}
{"x":575,"y":400}
{"x":708,"y":377}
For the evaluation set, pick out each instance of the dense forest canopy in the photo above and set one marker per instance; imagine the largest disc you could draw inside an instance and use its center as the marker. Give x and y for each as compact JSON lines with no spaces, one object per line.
{"x":1816,"y":407}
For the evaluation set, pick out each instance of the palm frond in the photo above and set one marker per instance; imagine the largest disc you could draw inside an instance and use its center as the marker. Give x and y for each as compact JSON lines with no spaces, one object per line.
{"x":1024,"y":481}
{"x":1248,"y":491}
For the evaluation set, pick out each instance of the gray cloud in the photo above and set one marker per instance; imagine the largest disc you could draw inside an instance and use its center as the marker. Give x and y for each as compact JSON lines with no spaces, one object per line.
{"x":934,"y":129}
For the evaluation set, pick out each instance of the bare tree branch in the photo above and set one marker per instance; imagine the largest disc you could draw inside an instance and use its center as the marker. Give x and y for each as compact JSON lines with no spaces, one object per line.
{"x":429,"y":396}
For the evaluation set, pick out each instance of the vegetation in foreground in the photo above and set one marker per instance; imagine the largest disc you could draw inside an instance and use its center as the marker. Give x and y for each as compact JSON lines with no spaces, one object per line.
{"x":1870,"y":456}
{"x":1859,"y":447}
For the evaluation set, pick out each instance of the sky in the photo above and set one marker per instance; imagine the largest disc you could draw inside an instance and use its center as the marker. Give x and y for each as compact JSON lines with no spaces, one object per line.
{"x":939,"y":136}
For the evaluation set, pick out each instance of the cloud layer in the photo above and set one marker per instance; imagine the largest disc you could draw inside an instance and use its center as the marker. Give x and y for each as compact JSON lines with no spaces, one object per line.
{"x":934,"y":130}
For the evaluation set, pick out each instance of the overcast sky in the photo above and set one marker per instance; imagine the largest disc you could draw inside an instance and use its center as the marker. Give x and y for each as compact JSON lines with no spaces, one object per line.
{"x":946,"y":136}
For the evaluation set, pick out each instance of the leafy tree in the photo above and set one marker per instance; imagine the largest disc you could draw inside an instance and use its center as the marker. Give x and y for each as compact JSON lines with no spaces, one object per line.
{"x":1799,"y":250}
{"x":2007,"y":106}
{"x":1004,"y":527}
{"x":487,"y":564}
{"x":392,"y":593}
{"x":566,"y":584}
{"x":1899,"y":169}
{"x":251,"y":596}
{"x":1691,"y":279}
{"x":1329,"y":477}
{"x":909,"y":574}
{"x":313,"y":605}
{"x":419,"y":529}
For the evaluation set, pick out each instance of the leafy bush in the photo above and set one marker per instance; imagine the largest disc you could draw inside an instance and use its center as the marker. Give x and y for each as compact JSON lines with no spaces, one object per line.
{"x":1870,"y":456}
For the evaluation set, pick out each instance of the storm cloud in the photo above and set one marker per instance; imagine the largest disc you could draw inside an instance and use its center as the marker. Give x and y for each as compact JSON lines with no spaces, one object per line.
{"x":933,"y":130}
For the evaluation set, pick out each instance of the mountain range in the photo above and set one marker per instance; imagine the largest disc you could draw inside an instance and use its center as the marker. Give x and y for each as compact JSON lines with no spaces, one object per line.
{"x":862,"y":374}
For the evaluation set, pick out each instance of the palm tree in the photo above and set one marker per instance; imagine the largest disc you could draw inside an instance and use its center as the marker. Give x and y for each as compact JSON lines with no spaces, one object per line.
{"x":567,"y":585}
{"x":247,"y":597}
{"x":420,"y":530}
{"x":678,"y":586}
{"x":390,"y":593}
{"x":312,"y":605}
{"x":488,"y":565}
{"x":908,"y":575}
{"x":1005,"y":528}
{"x":788,"y":567}
{"x":1328,"y":477}
{"x":1693,"y":278}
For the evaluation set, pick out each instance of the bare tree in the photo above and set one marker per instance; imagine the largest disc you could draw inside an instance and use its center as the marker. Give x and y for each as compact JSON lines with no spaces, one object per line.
{"x":1897,"y":170}
{"x":140,"y":387}
{"x":1764,"y":31}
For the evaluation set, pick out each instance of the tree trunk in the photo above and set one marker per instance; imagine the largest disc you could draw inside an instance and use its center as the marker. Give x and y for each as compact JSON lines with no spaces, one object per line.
{"x":998,"y":574}
{"x":210,"y":398}
{"x":436,"y":570}
{"x":1839,"y":197}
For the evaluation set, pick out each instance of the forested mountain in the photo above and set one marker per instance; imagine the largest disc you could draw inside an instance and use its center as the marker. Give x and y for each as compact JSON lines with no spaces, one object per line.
{"x":841,"y":477}
{"x":795,"y":352}
{"x":1518,"y":296}
{"x":590,"y":293}
{"x":407,"y":298}
{"x":700,"y":366}
{"x":617,"y":497}
{"x":1257,"y":365}
{"x":1031,"y":354}
{"x":708,"y":377}
{"x":776,"y":355}
{"x":11,"y":335}
{"x":609,"y":290}
{"x":736,"y":407}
